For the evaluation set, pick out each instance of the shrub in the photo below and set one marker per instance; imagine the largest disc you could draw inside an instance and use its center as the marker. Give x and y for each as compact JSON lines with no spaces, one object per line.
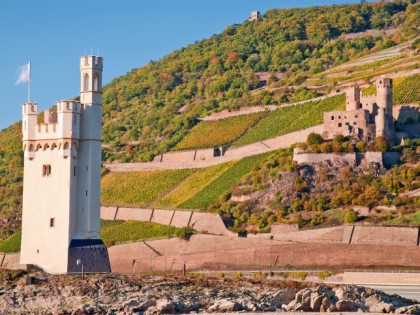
{"x":351,"y":216}
{"x":314,"y":138}
{"x":237,"y":275}
{"x":324,"y":275}
{"x":301,"y":275}
{"x":221,"y":275}
{"x":184,"y":233}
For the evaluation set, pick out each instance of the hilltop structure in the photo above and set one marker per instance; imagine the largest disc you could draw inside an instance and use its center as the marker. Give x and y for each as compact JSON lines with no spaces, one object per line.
{"x":365,"y":117}
{"x":255,"y":15}
{"x":61,"y":198}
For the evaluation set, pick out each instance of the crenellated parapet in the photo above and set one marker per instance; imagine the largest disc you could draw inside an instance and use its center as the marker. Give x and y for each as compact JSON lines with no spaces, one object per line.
{"x":60,"y":130}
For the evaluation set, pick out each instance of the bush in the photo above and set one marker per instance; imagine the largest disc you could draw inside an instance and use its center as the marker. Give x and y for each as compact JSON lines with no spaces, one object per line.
{"x":314,"y":138}
{"x":351,"y":216}
{"x":184,"y":233}
{"x":221,"y":275}
{"x":237,"y":275}
{"x":301,"y":275}
{"x":324,"y":275}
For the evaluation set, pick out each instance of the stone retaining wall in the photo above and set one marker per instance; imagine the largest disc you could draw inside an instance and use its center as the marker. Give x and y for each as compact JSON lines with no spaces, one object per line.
{"x":200,"y":221}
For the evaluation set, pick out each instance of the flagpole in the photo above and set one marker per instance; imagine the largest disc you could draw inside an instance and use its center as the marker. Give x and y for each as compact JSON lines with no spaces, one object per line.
{"x":29,"y":83}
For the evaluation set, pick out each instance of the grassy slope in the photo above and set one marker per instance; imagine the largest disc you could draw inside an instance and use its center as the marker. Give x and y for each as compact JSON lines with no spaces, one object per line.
{"x":222,"y":184}
{"x":218,"y":132}
{"x":113,"y":232}
{"x":12,"y":243}
{"x":288,"y":119}
{"x":192,"y":185}
{"x":139,"y":188}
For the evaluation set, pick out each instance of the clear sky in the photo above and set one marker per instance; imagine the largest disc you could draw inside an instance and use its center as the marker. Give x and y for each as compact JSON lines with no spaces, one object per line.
{"x":52,"y":34}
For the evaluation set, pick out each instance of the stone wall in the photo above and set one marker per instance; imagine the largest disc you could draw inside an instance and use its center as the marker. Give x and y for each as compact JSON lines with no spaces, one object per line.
{"x":11,"y":261}
{"x":386,"y":159}
{"x":223,"y":252}
{"x":200,"y":221}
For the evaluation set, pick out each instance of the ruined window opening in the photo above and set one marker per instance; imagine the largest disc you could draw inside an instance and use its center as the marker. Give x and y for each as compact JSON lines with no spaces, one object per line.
{"x":332,"y":117}
{"x":339,"y":124}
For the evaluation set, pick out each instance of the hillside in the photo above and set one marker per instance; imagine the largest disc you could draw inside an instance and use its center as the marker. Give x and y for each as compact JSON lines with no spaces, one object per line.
{"x":141,"y":117}
{"x":141,"y":110}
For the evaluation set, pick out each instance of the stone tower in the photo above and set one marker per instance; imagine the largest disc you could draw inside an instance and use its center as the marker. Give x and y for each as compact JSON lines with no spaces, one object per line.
{"x":384,"y":119}
{"x":352,"y":98}
{"x":62,"y":157}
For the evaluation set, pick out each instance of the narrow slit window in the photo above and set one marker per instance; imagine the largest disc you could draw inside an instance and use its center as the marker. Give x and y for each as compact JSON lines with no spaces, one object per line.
{"x":52,"y":222}
{"x":46,"y":170}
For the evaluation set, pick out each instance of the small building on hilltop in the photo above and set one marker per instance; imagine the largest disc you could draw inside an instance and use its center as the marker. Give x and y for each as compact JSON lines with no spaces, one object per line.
{"x":255,"y":15}
{"x":365,"y":117}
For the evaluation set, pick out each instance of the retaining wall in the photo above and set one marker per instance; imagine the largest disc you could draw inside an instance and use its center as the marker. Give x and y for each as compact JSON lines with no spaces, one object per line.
{"x":201,"y":221}
{"x":222,"y":252}
{"x":11,"y":261}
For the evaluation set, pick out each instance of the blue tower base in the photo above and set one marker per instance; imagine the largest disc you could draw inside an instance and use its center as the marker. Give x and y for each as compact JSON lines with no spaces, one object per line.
{"x":93,"y":254}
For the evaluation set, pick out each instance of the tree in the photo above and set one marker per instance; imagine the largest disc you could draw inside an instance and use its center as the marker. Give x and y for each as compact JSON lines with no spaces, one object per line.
{"x":381,"y":144}
{"x":314,"y":138}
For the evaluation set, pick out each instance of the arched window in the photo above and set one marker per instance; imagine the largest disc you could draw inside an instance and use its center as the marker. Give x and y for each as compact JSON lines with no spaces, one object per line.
{"x":46,"y":146}
{"x":31,"y":147}
{"x":39,"y":146}
{"x":95,"y":82}
{"x":86,"y":83}
{"x":53,"y":146}
{"x":66,"y":146}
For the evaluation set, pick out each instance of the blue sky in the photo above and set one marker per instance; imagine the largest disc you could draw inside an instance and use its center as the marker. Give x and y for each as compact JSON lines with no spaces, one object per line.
{"x":52,"y":34}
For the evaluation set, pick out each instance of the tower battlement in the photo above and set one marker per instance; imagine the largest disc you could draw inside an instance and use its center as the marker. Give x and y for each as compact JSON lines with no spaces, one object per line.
{"x":68,"y":106}
{"x":91,"y":62}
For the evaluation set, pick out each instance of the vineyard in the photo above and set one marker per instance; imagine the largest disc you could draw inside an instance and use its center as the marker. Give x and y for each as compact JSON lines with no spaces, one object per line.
{"x":192,"y":185}
{"x":222,"y":184}
{"x":139,"y":188}
{"x":407,"y":89}
{"x":292,"y":118}
{"x":113,"y":232}
{"x":216,"y":133}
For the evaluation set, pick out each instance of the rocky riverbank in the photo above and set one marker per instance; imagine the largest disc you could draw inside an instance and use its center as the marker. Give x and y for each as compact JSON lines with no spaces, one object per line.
{"x":171,"y":295}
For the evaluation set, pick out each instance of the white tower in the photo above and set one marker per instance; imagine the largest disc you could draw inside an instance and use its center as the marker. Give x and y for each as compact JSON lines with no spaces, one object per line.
{"x":60,"y":220}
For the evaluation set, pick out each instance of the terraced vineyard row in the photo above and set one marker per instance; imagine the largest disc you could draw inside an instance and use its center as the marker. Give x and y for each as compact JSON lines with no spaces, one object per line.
{"x":192,"y":185}
{"x":139,"y":188}
{"x":407,"y":89}
{"x":222,"y":184}
{"x":293,"y":118}
{"x":218,"y":132}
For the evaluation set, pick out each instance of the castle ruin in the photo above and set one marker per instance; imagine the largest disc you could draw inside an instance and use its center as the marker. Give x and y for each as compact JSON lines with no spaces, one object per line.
{"x":365,"y":117}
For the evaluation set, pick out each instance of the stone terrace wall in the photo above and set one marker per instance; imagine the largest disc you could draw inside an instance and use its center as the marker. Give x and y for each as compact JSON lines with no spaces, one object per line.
{"x":403,"y":236}
{"x":11,"y":261}
{"x":200,"y":221}
{"x":223,"y":252}
{"x":204,"y":158}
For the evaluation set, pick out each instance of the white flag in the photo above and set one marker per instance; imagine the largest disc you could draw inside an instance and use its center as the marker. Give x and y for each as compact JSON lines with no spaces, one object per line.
{"x":24,"y":74}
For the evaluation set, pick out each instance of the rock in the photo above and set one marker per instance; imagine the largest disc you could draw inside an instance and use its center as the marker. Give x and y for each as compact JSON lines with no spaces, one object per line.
{"x":326,"y":305}
{"x":284,"y":296}
{"x":316,"y":302}
{"x":303,"y":295}
{"x":301,"y":307}
{"x":381,"y":307}
{"x":224,"y":306}
{"x":344,"y":306}
{"x":166,"y":306}
{"x":413,"y":309}
{"x":144,"y":305}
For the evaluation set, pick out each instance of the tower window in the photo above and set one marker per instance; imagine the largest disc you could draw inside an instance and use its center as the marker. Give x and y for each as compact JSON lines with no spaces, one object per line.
{"x":95,"y":82}
{"x":46,"y":170}
{"x":52,"y":222}
{"x":86,"y":82}
{"x":339,"y":124}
